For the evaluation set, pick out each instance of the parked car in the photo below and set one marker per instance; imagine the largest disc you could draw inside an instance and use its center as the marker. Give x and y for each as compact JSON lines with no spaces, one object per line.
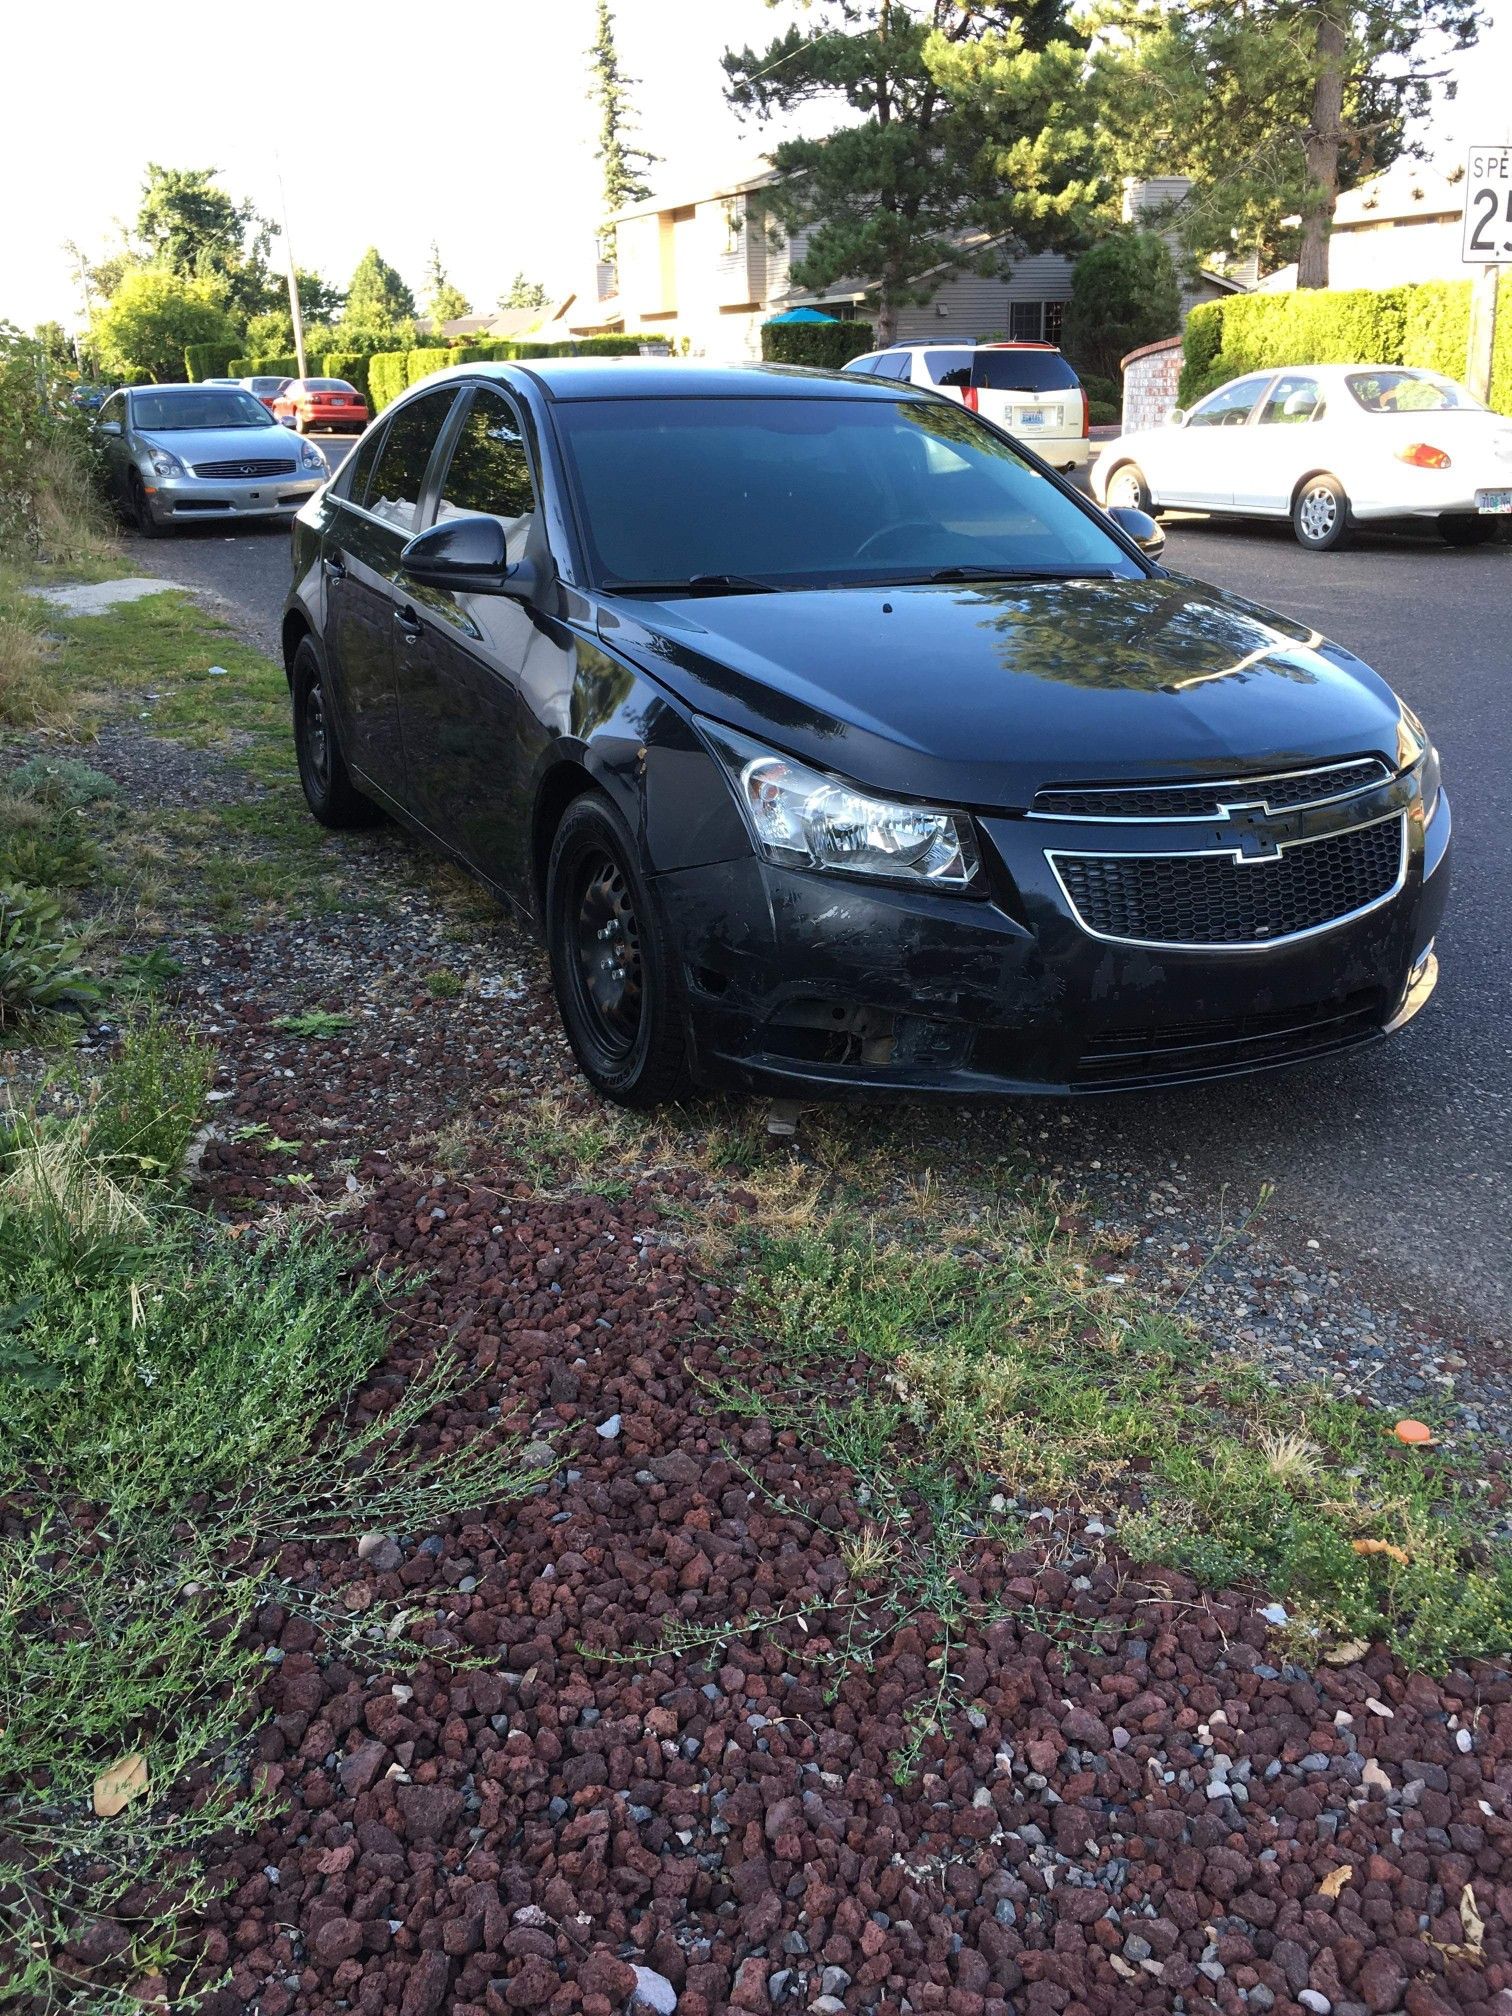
{"x":178,"y":452}
{"x":838,"y":746}
{"x":88,"y":398}
{"x":1329,"y":446}
{"x":264,"y":388}
{"x":1027,"y":388}
{"x":304,"y":403}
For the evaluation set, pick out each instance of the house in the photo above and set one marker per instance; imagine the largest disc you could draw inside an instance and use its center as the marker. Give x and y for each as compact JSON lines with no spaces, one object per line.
{"x":704,"y":268}
{"x":1152,"y":206}
{"x":505,"y":322}
{"x":1398,"y":227}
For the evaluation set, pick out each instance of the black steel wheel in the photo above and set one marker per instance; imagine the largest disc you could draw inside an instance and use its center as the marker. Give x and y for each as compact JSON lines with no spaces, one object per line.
{"x":328,"y":788}
{"x":609,"y":963}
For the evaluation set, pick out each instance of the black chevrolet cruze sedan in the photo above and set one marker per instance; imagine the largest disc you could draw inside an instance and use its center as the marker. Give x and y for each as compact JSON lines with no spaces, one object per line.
{"x":837,"y":744}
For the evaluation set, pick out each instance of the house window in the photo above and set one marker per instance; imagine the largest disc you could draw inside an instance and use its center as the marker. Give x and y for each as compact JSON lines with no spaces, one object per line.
{"x":733,"y":224}
{"x":1055,"y":317}
{"x":1024,"y":321}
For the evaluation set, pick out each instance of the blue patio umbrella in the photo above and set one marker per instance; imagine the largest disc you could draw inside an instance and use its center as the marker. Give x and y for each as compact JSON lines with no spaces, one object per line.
{"x":803,"y":315}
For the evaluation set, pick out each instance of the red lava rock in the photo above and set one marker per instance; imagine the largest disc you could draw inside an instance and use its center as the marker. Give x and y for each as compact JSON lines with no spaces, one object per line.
{"x":337,"y":1939}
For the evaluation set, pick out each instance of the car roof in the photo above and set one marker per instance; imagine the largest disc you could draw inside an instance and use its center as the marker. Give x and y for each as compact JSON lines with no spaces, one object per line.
{"x":568,"y":378}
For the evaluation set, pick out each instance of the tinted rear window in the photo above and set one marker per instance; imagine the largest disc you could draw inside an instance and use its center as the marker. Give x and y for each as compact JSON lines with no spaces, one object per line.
{"x":1023,"y":371}
{"x":328,"y":385}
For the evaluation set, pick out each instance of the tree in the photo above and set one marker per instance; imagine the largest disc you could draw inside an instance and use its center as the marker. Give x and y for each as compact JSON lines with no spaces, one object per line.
{"x":1124,"y":292}
{"x":524,"y":293}
{"x":56,"y":345}
{"x":376,"y":300}
{"x":187,"y":224}
{"x":1273,"y":107}
{"x":152,"y":316}
{"x":964,"y":119}
{"x":443,"y":301}
{"x":624,"y":164}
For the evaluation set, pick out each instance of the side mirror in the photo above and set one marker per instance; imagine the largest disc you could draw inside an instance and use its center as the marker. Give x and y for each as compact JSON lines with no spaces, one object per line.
{"x":284,"y":419}
{"x":468,"y":552}
{"x":1140,"y":527}
{"x":107,"y":427}
{"x":1176,"y":417}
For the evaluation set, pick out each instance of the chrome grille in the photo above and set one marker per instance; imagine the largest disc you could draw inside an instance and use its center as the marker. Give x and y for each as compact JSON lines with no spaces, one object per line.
{"x":1204,"y":800}
{"x":244,"y":468}
{"x":1217,"y":899}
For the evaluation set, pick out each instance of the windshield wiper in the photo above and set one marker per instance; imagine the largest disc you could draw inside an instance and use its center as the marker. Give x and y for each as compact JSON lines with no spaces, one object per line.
{"x":695,"y":584}
{"x":975,"y":571}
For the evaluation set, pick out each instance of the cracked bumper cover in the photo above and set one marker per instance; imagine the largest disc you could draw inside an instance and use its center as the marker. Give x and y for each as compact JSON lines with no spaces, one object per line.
{"x":805,"y":983}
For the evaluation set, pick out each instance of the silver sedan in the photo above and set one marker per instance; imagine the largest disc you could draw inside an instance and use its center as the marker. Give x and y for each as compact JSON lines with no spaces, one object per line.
{"x":177,"y":453}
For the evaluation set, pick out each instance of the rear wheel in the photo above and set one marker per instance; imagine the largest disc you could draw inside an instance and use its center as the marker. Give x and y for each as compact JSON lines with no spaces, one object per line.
{"x":1320,"y":514}
{"x":609,"y":961}
{"x":328,"y":788}
{"x":1127,"y":487}
{"x":1461,"y":529}
{"x":141,"y":508}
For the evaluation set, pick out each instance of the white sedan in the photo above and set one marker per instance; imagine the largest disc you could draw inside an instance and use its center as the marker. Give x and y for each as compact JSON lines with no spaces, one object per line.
{"x":1326,"y":445}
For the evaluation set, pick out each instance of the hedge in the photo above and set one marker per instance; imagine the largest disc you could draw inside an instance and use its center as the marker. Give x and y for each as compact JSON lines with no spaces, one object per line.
{"x":263,"y":367}
{"x":209,"y":360}
{"x":349,"y":364}
{"x":391,"y":372}
{"x":825,"y":345}
{"x":1427,"y":325}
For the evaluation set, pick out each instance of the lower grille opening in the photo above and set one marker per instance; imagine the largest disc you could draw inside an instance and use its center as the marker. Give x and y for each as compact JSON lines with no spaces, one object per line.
{"x":1192,"y":1049}
{"x":829,"y":1032}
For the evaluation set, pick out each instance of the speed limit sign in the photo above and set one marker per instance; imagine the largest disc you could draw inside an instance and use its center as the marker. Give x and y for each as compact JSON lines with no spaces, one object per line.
{"x":1488,"y":207}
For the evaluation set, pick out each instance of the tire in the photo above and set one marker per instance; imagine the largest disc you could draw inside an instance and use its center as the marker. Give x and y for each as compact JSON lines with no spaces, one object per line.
{"x":328,"y":788}
{"x":141,"y":511}
{"x":299,"y":425}
{"x":1320,"y":514}
{"x":1460,"y":529}
{"x":1127,"y":486}
{"x":610,"y":963}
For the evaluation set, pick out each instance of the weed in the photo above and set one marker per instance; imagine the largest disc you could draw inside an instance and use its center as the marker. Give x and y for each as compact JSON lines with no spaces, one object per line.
{"x":39,"y":973}
{"x":313,"y":1023}
{"x":445,"y":985}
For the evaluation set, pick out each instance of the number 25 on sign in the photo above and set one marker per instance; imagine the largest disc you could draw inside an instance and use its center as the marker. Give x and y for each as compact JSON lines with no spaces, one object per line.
{"x":1488,"y":208}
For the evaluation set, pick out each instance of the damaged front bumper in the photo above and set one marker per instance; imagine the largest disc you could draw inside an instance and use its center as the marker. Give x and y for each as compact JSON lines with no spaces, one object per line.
{"x":810,"y":985}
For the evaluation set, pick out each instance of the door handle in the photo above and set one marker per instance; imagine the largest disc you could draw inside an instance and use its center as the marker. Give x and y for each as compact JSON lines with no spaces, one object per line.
{"x":409,"y":624}
{"x":333,"y":569}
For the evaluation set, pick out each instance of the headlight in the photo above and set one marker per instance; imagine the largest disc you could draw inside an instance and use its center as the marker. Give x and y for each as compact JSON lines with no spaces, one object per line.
{"x":310,"y":456}
{"x":805,"y":819}
{"x":1414,"y":748}
{"x":164,"y":463}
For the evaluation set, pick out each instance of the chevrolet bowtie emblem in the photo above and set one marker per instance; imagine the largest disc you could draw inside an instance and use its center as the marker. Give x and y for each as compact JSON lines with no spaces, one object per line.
{"x":1252,"y":828}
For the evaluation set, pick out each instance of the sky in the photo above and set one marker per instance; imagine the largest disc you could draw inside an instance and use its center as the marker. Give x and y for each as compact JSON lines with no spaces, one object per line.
{"x":477,"y":133}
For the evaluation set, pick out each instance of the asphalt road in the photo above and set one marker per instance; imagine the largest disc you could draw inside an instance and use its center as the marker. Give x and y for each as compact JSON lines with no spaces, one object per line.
{"x":1398,"y":1160}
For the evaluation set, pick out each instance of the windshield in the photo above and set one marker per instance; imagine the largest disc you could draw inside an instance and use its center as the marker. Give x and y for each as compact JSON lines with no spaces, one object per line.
{"x":179,"y":412}
{"x":815,"y":493}
{"x":1022,"y":371}
{"x":1409,"y":392}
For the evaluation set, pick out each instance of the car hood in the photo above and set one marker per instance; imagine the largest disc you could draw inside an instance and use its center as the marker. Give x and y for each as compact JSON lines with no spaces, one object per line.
{"x":980,"y":695}
{"x":225,"y":444}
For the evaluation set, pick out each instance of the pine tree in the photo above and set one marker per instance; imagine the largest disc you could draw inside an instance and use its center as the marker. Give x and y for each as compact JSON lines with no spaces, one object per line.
{"x":1272,"y":108}
{"x":376,"y":299}
{"x":962,"y":119}
{"x":624,"y":164}
{"x":443,"y":301}
{"x":524,"y":293}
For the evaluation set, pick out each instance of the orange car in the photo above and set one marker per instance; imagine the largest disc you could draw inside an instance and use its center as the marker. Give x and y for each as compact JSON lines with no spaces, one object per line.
{"x":320,"y":402}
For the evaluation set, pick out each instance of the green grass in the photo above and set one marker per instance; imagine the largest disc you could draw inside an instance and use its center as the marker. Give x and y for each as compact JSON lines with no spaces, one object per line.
{"x":176,"y":1403}
{"x":1010,"y":1370}
{"x":315,"y":1024}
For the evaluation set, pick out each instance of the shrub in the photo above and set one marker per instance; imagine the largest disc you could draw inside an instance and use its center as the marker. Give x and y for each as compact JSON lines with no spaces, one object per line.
{"x":351,"y":365}
{"x":824,"y":345}
{"x":1427,"y":325}
{"x":152,"y":318}
{"x":46,"y":451}
{"x":210,"y":360}
{"x":1124,"y":293}
{"x":420,"y":364}
{"x":1102,"y":413}
{"x":387,"y":377}
{"x":141,"y":1117}
{"x":271,"y":367}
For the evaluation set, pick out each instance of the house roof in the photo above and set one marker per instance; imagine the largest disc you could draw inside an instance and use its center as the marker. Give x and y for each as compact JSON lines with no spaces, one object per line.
{"x":740,"y":177}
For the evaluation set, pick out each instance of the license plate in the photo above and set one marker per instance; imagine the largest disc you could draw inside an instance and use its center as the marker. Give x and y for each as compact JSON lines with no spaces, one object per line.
{"x":1497,"y":501}
{"x":1033,"y":419}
